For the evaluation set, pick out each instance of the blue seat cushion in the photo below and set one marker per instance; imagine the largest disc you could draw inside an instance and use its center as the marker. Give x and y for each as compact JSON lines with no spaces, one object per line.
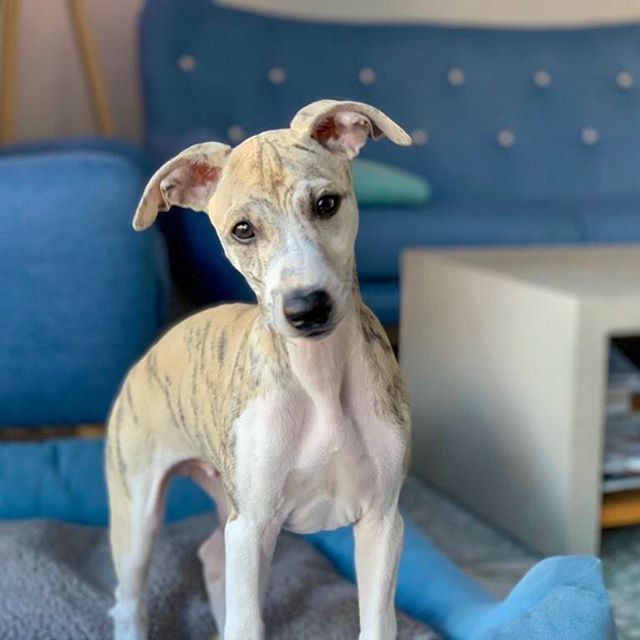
{"x":383,"y":298}
{"x":609,"y":220}
{"x":384,"y":233}
{"x":83,"y":294}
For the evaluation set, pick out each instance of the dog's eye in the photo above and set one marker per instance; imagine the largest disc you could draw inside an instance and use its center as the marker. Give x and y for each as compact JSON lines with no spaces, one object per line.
{"x":243,"y":231}
{"x":326,"y":206}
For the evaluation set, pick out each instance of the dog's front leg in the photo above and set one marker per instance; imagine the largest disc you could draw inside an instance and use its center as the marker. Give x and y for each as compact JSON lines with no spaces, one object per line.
{"x":378,"y":540}
{"x":249,"y":549}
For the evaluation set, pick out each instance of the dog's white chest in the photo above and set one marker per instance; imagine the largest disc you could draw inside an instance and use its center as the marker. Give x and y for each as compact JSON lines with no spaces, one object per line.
{"x":316,"y":454}
{"x":318,"y":461}
{"x":332,"y":481}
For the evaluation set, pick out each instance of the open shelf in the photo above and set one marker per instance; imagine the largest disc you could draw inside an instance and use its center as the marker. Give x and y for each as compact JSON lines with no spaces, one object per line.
{"x":620,"y":509}
{"x":621,"y":462}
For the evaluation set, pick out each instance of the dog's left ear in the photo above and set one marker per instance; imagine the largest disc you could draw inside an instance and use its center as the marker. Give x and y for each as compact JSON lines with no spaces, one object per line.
{"x":344,"y":127}
{"x":188,"y":180}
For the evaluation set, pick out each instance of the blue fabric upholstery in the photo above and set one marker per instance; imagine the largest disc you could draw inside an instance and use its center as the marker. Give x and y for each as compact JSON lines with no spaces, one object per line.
{"x":461,"y":223}
{"x":228,"y":85}
{"x":83,"y":295}
{"x":458,"y":88}
{"x":559,"y":599}
{"x":383,"y":297}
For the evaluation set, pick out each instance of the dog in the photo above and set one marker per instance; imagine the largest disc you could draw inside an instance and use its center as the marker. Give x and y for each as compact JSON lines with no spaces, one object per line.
{"x":292,"y":413}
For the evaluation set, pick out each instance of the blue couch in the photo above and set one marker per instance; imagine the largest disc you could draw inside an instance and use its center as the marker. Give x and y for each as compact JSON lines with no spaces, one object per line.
{"x":527,"y":136}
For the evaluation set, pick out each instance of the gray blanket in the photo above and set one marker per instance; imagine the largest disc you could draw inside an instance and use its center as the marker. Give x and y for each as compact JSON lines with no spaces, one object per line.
{"x":56,"y":583}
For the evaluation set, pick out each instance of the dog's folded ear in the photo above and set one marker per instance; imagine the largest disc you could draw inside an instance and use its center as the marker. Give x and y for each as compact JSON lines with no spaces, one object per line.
{"x":344,"y":127}
{"x":188,"y":180}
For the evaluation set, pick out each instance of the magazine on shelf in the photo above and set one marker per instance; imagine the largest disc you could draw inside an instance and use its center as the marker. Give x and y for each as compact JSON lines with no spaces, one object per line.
{"x":621,"y":460}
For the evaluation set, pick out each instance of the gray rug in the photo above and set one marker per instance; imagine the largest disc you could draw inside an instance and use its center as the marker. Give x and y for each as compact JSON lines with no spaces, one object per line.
{"x":498,"y":562}
{"x":56,"y":583}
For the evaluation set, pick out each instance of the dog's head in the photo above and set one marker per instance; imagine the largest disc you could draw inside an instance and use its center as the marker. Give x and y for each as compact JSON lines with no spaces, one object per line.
{"x":282,"y":203}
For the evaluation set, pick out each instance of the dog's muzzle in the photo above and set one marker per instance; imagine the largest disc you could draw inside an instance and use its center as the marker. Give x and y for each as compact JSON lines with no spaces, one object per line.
{"x":309,"y":312}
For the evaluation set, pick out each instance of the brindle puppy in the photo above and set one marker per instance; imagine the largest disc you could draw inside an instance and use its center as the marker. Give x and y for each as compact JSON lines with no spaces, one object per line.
{"x":290,"y":413}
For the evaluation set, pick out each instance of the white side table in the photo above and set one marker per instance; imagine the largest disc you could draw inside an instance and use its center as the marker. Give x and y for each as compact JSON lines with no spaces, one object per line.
{"x":505,"y":354}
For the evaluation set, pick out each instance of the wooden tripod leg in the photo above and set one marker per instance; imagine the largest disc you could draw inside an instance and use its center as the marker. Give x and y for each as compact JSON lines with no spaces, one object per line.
{"x":93,"y":75}
{"x":8,"y":69}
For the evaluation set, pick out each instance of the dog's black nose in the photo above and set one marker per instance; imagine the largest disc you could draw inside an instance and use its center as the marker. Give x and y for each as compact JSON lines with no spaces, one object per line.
{"x":308,"y":311}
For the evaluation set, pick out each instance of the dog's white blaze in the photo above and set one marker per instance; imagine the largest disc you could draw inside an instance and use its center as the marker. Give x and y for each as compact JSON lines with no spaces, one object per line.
{"x":299,"y":266}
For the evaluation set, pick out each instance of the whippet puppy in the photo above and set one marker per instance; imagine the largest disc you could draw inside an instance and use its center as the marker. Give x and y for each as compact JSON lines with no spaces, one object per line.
{"x":292,"y":413}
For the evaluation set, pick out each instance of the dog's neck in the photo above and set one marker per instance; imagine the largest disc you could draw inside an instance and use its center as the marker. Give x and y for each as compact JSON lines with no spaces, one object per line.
{"x":320,"y":366}
{"x":323,"y":369}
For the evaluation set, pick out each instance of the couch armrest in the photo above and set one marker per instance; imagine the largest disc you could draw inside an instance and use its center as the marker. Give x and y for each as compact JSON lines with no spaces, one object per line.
{"x":83,"y":294}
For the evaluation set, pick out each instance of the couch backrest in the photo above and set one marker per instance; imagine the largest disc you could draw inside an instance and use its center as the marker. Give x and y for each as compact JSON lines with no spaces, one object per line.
{"x":497,"y":113}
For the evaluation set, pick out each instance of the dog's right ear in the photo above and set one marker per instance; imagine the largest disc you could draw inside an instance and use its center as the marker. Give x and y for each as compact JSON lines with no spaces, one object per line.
{"x":188,"y":180}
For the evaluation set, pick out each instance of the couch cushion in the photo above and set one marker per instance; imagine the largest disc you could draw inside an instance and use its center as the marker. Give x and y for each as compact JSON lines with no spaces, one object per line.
{"x":384,"y":233}
{"x":611,"y":220}
{"x":383,"y":298}
{"x":82,"y":294}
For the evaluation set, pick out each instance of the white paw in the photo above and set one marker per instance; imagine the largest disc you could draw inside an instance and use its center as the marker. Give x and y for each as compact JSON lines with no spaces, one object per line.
{"x":129,"y":622}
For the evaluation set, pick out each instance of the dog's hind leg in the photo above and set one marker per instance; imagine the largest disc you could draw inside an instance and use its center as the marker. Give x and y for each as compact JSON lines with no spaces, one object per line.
{"x":138,"y":472}
{"x":136,"y":514}
{"x":211,"y":552}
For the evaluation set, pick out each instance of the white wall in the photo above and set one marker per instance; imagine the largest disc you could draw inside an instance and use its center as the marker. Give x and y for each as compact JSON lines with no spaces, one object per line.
{"x":51,"y":96}
{"x":495,"y":12}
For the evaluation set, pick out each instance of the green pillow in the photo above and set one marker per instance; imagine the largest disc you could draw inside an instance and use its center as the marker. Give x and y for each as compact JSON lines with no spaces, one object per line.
{"x":379,"y":185}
